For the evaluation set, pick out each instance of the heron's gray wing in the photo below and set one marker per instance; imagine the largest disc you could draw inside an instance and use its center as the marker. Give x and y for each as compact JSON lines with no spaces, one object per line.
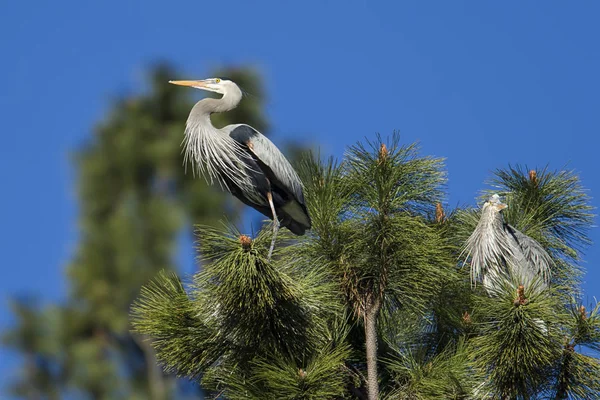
{"x":268,"y":154}
{"x":285,"y":183}
{"x":535,"y":255}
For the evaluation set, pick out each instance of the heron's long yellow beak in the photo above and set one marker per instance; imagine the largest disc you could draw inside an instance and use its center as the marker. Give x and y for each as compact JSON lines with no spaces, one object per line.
{"x":189,"y":83}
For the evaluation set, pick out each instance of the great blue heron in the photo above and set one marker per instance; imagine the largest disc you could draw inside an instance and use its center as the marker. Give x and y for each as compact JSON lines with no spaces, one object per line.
{"x":242,"y":160}
{"x":499,"y":251}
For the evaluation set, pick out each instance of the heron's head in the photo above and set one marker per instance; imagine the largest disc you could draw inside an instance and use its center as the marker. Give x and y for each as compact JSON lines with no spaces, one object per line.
{"x":494,"y":204}
{"x":217,"y":85}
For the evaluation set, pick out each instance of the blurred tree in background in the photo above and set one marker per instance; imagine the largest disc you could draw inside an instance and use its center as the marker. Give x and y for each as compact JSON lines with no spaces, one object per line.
{"x":134,"y":203}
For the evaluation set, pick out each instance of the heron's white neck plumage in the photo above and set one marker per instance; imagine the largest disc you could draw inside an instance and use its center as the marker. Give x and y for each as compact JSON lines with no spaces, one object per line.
{"x":487,"y":245}
{"x":211,"y":151}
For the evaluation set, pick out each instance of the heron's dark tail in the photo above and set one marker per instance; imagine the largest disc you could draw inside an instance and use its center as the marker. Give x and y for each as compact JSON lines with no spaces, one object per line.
{"x":294,"y":216}
{"x":291,"y":215}
{"x":294,"y":227}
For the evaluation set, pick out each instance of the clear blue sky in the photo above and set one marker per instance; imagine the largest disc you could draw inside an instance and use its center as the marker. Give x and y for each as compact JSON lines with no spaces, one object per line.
{"x":483,"y":84}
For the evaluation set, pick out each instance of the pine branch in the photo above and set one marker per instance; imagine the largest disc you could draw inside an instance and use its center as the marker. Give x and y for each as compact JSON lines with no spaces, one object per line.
{"x":519,"y":338}
{"x":419,"y":375}
{"x":394,"y":180}
{"x":322,"y":377}
{"x":584,"y":326}
{"x":255,"y":304}
{"x":578,"y":376}
{"x":184,"y":344}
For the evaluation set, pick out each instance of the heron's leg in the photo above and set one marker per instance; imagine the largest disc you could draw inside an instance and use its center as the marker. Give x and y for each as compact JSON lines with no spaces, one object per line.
{"x":275,"y":223}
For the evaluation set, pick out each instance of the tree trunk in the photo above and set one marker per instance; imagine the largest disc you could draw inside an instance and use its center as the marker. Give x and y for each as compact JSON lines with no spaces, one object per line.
{"x":156,"y":380}
{"x":371,"y":314}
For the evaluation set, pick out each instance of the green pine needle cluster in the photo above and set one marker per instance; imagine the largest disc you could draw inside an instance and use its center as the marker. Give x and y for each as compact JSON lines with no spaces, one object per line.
{"x":518,"y":339}
{"x":246,"y":320}
{"x":420,"y":376}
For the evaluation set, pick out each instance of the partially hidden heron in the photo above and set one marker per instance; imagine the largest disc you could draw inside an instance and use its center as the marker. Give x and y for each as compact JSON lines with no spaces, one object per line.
{"x":499,"y":251}
{"x":242,"y":160}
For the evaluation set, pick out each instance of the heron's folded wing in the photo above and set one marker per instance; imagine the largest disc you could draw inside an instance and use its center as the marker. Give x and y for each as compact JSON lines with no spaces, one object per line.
{"x":281,"y":172}
{"x":534,"y":253}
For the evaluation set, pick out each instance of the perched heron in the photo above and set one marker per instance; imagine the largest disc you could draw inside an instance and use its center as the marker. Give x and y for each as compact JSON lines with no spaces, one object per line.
{"x":242,"y":160}
{"x":498,"y":250}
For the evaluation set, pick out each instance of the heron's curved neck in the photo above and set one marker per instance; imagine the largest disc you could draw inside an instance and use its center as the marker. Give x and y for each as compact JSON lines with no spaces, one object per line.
{"x":205,"y":107}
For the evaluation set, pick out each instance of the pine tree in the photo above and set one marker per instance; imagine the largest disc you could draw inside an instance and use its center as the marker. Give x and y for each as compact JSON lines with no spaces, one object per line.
{"x":376,"y":301}
{"x":134,"y":203}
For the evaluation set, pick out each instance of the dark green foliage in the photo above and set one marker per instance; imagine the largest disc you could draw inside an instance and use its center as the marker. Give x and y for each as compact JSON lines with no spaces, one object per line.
{"x":324,"y":376}
{"x":35,"y":341}
{"x":257,"y":305}
{"x":518,"y":339}
{"x":578,"y":377}
{"x":246,"y":320}
{"x":584,"y":327}
{"x":417,"y":374}
{"x":391,"y":249}
{"x":388,"y":177}
{"x":170,"y":317}
{"x":577,"y":374}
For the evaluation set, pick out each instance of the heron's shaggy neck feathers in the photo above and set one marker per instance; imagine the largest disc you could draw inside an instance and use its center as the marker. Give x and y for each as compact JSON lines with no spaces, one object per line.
{"x":488,"y":246}
{"x":499,"y":252}
{"x":211,"y":151}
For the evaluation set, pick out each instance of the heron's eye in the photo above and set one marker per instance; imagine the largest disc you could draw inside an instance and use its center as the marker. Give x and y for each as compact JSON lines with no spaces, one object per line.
{"x":217,"y":80}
